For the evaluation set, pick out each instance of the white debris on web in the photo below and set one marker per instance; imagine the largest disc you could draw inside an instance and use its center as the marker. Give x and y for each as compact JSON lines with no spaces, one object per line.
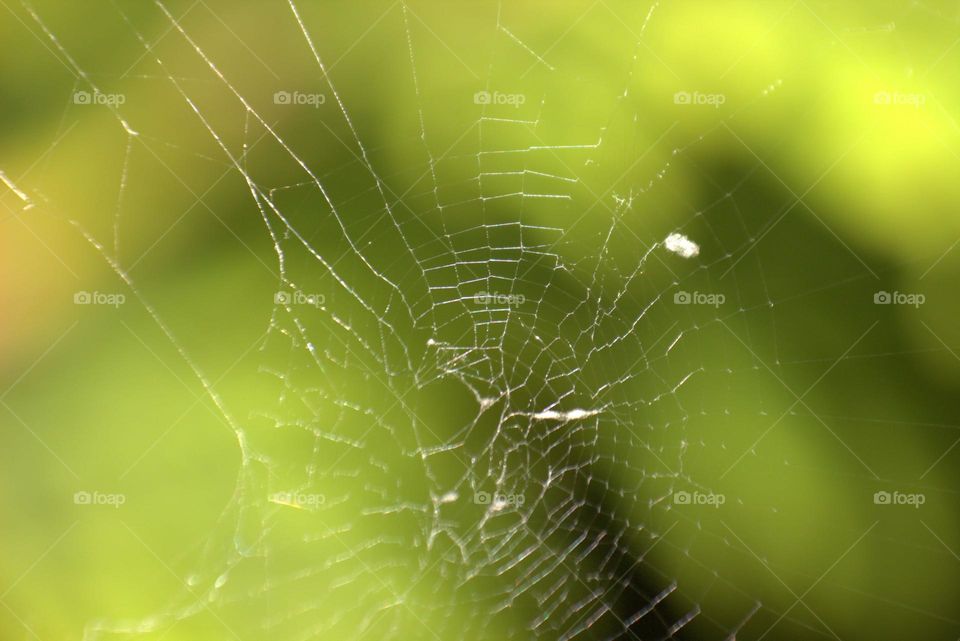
{"x":681,"y":245}
{"x":449,"y":497}
{"x":569,"y":415}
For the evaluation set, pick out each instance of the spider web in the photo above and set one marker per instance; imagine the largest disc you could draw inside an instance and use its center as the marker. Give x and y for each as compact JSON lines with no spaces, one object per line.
{"x":488,"y":393}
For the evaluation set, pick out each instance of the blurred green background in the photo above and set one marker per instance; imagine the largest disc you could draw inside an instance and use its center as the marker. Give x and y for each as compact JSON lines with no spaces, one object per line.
{"x":187,"y":455}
